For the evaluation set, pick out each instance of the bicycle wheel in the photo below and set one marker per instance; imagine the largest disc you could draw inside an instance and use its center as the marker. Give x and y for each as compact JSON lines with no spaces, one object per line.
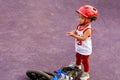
{"x":37,"y":75}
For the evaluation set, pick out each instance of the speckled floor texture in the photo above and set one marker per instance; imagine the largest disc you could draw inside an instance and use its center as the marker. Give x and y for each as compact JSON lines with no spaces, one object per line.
{"x":33,"y":36}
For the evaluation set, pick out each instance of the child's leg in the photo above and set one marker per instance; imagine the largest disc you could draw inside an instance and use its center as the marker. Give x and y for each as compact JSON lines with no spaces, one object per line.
{"x":86,"y":63}
{"x":78,"y":60}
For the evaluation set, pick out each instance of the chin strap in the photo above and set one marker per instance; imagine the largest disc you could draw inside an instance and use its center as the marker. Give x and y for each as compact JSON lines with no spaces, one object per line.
{"x":85,"y":23}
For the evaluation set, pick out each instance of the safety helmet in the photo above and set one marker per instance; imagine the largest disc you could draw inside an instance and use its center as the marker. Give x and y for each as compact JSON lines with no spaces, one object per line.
{"x":88,"y":11}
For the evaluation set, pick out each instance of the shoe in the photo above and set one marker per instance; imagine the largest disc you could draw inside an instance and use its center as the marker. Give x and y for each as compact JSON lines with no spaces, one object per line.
{"x":79,"y":66}
{"x":85,"y":75}
{"x":72,"y":64}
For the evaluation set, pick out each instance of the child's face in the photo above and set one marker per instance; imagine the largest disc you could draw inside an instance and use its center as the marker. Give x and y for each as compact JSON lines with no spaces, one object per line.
{"x":83,"y":20}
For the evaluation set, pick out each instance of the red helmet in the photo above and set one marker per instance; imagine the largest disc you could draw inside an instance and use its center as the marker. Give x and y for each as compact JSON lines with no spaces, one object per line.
{"x":88,"y":12}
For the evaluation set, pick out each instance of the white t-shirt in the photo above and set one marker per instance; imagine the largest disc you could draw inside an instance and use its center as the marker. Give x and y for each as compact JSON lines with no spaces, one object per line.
{"x":83,"y":47}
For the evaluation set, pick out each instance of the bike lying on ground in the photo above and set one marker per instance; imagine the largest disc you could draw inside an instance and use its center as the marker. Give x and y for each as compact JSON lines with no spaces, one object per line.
{"x":64,"y":73}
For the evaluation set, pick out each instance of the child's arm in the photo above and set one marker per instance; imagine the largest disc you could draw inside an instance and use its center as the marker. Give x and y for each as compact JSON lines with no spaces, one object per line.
{"x":82,"y":38}
{"x":73,"y":32}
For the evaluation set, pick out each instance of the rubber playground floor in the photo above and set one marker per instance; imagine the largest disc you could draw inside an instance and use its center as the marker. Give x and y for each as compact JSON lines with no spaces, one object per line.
{"x":33,"y":36}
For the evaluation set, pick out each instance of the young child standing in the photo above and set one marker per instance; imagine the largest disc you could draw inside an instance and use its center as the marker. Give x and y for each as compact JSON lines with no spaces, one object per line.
{"x":82,"y":35}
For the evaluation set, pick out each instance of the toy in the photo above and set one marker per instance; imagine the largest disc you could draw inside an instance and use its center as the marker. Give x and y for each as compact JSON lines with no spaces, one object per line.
{"x":64,"y":73}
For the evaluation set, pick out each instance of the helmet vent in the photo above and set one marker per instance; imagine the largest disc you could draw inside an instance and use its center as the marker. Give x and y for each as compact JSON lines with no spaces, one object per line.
{"x":94,"y":9}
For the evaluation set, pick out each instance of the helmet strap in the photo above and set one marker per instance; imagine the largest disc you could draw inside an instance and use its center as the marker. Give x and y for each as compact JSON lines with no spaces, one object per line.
{"x":85,"y":23}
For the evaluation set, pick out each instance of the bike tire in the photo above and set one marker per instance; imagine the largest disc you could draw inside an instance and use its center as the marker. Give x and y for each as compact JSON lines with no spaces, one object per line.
{"x":37,"y":75}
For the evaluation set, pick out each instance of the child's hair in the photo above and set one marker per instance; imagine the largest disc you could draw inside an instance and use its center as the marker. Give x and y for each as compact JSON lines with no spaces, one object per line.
{"x":93,"y":18}
{"x":88,"y":11}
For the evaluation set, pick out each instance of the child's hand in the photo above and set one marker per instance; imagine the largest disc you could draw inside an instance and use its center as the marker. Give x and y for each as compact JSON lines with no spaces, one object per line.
{"x":70,"y":33}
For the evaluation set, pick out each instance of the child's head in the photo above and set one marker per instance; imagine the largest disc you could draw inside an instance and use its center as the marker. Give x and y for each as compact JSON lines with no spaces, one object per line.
{"x":87,"y":14}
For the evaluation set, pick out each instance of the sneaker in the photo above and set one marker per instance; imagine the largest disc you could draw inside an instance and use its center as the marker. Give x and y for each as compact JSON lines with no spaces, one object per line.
{"x":72,"y":64}
{"x":79,"y":66}
{"x":85,"y":75}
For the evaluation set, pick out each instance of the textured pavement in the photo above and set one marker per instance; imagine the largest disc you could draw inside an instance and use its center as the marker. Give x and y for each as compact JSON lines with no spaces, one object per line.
{"x":33,"y":36}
